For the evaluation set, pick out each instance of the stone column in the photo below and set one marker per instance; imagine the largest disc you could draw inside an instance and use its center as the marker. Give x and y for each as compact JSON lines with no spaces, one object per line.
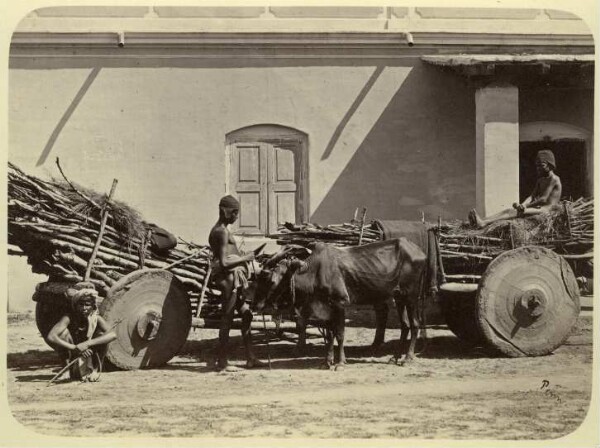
{"x":497,"y":148}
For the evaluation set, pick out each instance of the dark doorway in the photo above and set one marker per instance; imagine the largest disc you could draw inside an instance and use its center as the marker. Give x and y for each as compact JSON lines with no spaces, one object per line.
{"x":570,"y":166}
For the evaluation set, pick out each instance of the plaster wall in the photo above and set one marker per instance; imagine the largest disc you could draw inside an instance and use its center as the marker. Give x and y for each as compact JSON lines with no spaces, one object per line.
{"x":394,"y":138}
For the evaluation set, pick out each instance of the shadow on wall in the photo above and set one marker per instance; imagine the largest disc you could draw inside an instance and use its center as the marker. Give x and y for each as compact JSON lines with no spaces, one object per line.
{"x":419,"y":156}
{"x":67,"y":115}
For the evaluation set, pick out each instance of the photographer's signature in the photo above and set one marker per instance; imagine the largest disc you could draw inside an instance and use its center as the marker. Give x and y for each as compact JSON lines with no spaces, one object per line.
{"x":550,"y":392}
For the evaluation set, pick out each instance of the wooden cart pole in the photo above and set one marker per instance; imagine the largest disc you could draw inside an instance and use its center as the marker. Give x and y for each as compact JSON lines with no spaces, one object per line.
{"x":203,"y":292}
{"x":362,"y":225}
{"x":104,"y":215}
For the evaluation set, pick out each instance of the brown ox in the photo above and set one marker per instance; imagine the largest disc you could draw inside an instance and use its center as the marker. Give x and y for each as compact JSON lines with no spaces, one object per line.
{"x":321,"y":286}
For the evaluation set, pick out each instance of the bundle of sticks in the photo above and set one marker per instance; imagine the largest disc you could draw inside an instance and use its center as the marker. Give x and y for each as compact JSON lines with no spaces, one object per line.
{"x":567,"y":230}
{"x":46,"y":223}
{"x":353,"y":233}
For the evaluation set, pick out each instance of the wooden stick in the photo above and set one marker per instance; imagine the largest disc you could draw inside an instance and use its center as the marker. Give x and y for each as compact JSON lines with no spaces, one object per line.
{"x":362,"y":226}
{"x":267,"y":341}
{"x":76,"y":190}
{"x":462,"y":277}
{"x":102,"y":225}
{"x":568,"y":217}
{"x":578,"y":257}
{"x":466,"y":246}
{"x":64,"y":369}
{"x":464,"y":254}
{"x":175,"y":263}
{"x":464,"y":236}
{"x":203,"y":292}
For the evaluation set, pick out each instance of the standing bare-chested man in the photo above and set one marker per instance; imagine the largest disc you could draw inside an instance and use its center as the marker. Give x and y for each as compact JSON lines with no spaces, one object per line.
{"x":546,"y":193}
{"x":230,"y":271}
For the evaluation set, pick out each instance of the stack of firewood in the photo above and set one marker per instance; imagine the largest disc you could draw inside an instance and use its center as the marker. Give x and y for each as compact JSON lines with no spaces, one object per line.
{"x":580,"y":226}
{"x":47,"y":223}
{"x":568,"y":230}
{"x":353,"y":233}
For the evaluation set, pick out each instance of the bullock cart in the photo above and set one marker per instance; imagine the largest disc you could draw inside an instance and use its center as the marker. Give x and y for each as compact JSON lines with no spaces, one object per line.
{"x":517,"y":294}
{"x":512,"y":286}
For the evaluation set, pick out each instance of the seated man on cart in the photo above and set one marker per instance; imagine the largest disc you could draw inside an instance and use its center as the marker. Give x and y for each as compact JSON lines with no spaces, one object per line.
{"x":546,"y":193}
{"x":82,"y":335}
{"x":230,"y":272}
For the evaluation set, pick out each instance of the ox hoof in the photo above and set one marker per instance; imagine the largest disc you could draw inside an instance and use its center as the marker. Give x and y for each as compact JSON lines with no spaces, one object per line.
{"x":394,"y":360}
{"x":407,"y":360}
{"x":327,"y":366}
{"x":255,"y":363}
{"x":339,"y":367}
{"x":229,"y":369}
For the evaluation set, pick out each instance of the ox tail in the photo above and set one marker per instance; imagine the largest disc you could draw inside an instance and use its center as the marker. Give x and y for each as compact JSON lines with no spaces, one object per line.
{"x":421,"y":307}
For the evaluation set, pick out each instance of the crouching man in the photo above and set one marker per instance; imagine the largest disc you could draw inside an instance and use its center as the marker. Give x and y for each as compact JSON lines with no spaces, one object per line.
{"x":82,"y":334}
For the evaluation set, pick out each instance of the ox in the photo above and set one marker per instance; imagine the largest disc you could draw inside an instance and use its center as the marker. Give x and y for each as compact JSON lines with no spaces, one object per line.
{"x":331,"y":278}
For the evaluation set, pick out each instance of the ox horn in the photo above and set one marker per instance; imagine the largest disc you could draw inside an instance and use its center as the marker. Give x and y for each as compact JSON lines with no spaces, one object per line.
{"x":284,"y":252}
{"x":278,"y":257}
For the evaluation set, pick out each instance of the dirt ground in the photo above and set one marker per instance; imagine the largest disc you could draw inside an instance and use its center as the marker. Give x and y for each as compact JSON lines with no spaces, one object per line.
{"x":451,"y":391}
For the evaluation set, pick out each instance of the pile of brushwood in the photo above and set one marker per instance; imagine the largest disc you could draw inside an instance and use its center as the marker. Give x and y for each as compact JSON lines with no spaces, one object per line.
{"x":353,"y":233}
{"x":56,"y":225}
{"x":567,"y":230}
{"x":466,"y":252}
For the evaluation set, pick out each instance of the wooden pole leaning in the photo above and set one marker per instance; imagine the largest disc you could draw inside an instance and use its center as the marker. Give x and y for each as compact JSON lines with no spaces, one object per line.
{"x":104,"y":217}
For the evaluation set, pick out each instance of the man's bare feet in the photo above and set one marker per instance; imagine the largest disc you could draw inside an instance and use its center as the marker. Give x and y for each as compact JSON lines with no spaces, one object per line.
{"x":471,"y":218}
{"x":475,"y":220}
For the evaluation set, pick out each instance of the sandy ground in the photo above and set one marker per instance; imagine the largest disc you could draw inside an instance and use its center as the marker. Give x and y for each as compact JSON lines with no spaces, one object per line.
{"x":451,"y":391}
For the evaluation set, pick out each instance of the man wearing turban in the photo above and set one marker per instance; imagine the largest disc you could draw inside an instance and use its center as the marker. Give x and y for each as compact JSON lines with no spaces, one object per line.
{"x":230,"y":272}
{"x":546,"y":193}
{"x":81,"y":332}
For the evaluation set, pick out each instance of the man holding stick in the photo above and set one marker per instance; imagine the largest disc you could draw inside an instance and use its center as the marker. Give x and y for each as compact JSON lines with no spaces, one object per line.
{"x":230,"y":271}
{"x":82,"y":333}
{"x":546,"y":193}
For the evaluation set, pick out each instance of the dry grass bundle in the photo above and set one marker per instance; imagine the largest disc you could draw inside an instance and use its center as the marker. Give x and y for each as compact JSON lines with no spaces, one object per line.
{"x":567,"y":229}
{"x":125,"y":219}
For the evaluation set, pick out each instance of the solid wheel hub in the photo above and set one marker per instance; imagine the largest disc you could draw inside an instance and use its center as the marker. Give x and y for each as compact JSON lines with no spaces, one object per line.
{"x":534,"y":302}
{"x":148,"y":324}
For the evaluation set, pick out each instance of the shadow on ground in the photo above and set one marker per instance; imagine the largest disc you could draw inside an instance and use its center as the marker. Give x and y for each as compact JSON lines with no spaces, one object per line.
{"x":32,"y":360}
{"x":284,"y":354}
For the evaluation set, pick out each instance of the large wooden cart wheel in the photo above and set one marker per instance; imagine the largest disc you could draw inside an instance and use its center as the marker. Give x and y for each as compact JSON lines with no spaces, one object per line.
{"x":155,"y":316}
{"x":50,"y":306}
{"x":528,"y":302}
{"x":47,"y":315}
